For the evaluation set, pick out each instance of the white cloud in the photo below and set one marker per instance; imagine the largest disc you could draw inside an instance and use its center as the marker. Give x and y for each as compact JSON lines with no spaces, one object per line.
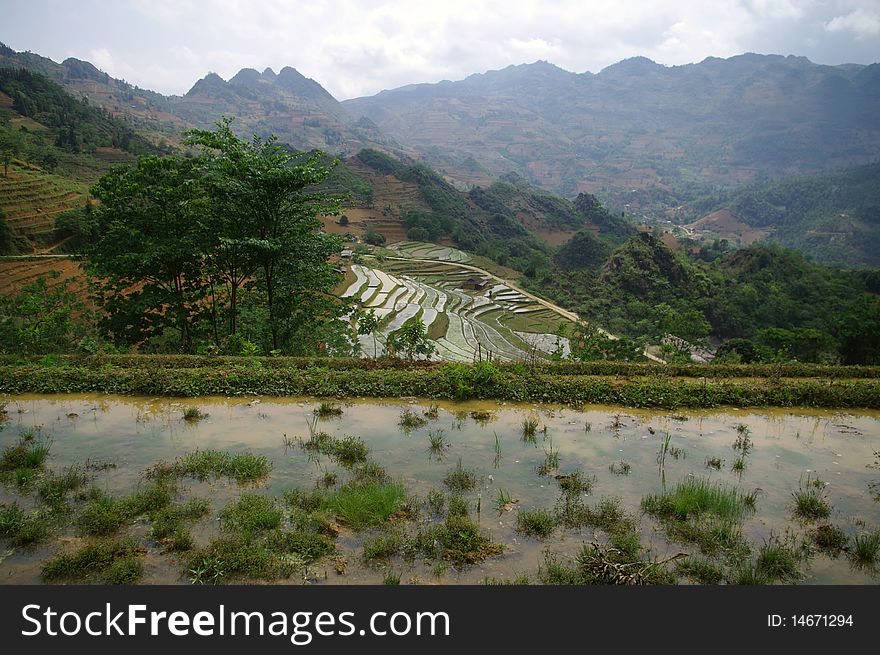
{"x":359,"y":47}
{"x":863,"y":23}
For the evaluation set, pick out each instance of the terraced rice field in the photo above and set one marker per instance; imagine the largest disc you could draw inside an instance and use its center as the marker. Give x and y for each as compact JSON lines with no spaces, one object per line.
{"x":421,"y":250}
{"x":467,"y":324}
{"x":32,"y":199}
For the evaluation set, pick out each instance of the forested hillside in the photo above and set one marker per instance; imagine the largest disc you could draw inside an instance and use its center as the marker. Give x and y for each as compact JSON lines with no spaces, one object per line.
{"x":834,"y":217}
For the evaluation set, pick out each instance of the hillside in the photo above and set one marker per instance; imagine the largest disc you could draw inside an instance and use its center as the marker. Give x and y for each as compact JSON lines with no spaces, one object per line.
{"x":53,"y":146}
{"x":509,"y":221}
{"x":642,"y":136}
{"x":766,"y":303}
{"x":834,"y":217}
{"x":295,"y":108}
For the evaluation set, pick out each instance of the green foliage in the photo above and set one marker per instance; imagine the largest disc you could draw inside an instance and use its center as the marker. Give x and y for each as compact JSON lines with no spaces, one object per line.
{"x":223,"y":247}
{"x":772,"y":305}
{"x":365,"y":505}
{"x":203,"y":464}
{"x":596,"y":564}
{"x":632,"y":385}
{"x":373,"y":238}
{"x":411,"y":340}
{"x":109,"y":562}
{"x":831,"y":216}
{"x":460,"y":479}
{"x":42,"y":319}
{"x":78,"y":127}
{"x":538,"y":523}
{"x":18,"y":528}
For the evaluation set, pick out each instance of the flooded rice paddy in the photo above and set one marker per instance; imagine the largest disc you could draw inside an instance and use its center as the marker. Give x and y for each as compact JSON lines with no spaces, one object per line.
{"x":627,"y":454}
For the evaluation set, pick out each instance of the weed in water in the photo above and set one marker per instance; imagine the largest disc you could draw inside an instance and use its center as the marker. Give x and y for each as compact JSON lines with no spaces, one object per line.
{"x":432,"y":413}
{"x":106,"y":515}
{"x":809,"y":501}
{"x":457,"y":506}
{"x":21,"y":462}
{"x":460,"y":541}
{"x":620,"y":468}
{"x":391,"y":578}
{"x":327,"y":410}
{"x":250,"y":514}
{"x":747,"y":572}
{"x":739,"y":465}
{"x":504,"y":502}
{"x":460,"y":479}
{"x":203,"y":464}
{"x":866,"y":548}
{"x":695,"y":496}
{"x":436,"y":502}
{"x":369,"y":471}
{"x":529,"y":427}
{"x":110,"y":562}
{"x":713,"y":463}
{"x":597,"y":564}
{"x":193,"y":415}
{"x":53,"y":489}
{"x":700,"y":570}
{"x":829,"y":539}
{"x":664,"y":448}
{"x":19,"y":528}
{"x":382,"y":546}
{"x":328,"y":480}
{"x":482,"y":416}
{"x":538,"y":523}
{"x":365,"y":505}
{"x":169,"y":529}
{"x":349,"y":451}
{"x":576,"y":482}
{"x":409,"y":420}
{"x":437,"y":443}
{"x":778,"y":560}
{"x":700,"y":512}
{"x":551,"y":460}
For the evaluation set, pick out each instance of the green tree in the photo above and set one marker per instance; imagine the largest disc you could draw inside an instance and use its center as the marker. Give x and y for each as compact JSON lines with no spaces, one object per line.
{"x":39,"y":319}
{"x":411,"y":340}
{"x":264,"y":216}
{"x":11,"y":144}
{"x":148,"y":260}
{"x":367,"y":324}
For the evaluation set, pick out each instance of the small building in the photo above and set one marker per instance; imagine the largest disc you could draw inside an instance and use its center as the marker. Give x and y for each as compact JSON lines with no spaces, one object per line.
{"x":475,"y":283}
{"x":346,"y":252}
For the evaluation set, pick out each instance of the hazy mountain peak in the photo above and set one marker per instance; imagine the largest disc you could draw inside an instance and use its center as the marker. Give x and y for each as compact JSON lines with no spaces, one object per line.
{"x":246,"y":76}
{"x":634,"y":65}
{"x":269,"y":73}
{"x":210,"y":82}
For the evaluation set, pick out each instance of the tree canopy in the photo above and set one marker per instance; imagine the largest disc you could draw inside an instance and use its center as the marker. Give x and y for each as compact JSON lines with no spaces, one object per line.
{"x":224,"y":248}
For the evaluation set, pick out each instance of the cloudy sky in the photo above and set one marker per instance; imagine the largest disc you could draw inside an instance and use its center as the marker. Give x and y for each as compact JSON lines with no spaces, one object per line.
{"x":360,"y":47}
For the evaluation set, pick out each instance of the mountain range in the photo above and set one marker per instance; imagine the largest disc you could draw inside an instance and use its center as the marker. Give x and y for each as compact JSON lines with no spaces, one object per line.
{"x":650,"y":141}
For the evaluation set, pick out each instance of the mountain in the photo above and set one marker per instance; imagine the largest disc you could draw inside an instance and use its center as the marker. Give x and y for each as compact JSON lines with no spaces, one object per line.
{"x":53,"y":146}
{"x":835,"y":217}
{"x":295,"y":108}
{"x":642,"y":136}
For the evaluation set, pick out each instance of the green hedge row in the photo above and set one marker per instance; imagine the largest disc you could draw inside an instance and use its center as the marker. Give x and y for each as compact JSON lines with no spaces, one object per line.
{"x":622,"y":369}
{"x":448,"y":382}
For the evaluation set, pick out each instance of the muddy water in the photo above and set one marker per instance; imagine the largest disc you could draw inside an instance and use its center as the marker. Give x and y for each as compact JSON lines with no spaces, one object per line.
{"x":788,"y":445}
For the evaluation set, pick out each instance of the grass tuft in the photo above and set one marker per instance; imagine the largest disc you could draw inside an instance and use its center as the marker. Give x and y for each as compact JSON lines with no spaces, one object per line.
{"x":460,"y":479}
{"x":110,"y":562}
{"x":538,"y":523}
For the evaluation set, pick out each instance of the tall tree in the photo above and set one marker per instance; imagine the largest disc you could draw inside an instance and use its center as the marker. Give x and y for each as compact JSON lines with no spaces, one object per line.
{"x":262,"y":205}
{"x":149,"y":259}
